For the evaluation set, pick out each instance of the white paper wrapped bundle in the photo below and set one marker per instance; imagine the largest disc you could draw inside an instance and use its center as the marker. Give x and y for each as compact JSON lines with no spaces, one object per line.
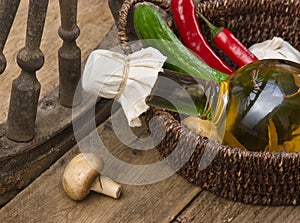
{"x":127,"y":79}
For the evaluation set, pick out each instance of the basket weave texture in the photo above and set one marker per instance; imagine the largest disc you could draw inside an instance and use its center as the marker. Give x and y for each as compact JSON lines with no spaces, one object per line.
{"x":233,"y":173}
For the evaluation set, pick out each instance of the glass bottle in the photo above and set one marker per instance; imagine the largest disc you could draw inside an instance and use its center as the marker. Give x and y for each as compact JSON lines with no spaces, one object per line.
{"x":257,"y":108}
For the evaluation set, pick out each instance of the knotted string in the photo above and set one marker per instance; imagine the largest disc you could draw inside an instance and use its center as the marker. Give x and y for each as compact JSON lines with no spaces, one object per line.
{"x":124,"y":79}
{"x":126,"y":71}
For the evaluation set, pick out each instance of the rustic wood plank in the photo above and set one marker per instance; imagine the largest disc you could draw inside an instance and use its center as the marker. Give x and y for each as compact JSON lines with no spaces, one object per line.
{"x":207,"y":207}
{"x":45,"y":201}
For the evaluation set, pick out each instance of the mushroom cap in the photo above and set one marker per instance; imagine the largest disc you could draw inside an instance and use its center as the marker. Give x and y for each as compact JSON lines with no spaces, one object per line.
{"x":80,"y":174}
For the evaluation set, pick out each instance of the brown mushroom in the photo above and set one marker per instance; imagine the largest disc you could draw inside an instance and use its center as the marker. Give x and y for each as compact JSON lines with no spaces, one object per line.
{"x":82,"y":175}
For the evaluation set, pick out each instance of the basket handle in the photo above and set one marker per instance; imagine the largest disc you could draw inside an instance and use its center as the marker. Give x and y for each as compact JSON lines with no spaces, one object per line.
{"x":123,"y":18}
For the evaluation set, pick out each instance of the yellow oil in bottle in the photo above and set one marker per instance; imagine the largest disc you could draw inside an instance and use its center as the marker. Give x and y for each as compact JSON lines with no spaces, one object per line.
{"x":263,"y":108}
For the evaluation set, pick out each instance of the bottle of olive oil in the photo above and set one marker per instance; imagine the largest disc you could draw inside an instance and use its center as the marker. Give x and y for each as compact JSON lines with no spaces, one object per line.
{"x":257,"y":108}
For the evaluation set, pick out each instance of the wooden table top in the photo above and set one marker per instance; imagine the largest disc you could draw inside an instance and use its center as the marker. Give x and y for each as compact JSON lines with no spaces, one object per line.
{"x":170,"y":200}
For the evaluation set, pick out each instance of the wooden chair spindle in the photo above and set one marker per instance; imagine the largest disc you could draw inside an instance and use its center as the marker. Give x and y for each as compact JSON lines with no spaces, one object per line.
{"x":69,"y":54}
{"x":8,"y":10}
{"x":26,"y":88}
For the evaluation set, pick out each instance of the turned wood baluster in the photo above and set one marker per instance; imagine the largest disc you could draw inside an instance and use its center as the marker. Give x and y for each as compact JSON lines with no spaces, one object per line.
{"x":8,"y":10}
{"x":69,"y":54}
{"x":26,"y":88}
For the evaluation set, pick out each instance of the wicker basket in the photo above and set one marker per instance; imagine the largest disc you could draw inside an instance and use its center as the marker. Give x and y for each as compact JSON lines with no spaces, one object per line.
{"x":249,"y":177}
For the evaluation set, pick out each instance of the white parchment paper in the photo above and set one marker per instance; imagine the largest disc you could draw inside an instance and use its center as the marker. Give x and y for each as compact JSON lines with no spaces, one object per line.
{"x":128,"y":79}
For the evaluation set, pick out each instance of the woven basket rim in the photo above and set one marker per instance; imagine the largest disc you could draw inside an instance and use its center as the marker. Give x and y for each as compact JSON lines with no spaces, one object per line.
{"x":243,"y":152}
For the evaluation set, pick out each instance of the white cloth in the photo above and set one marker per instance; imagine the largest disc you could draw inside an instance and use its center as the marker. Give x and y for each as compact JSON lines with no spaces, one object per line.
{"x":127,"y":79}
{"x":275,"y":48}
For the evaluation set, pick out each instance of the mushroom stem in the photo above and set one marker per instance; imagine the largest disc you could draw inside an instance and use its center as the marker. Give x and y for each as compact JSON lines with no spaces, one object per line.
{"x":82,"y":174}
{"x":107,"y":186}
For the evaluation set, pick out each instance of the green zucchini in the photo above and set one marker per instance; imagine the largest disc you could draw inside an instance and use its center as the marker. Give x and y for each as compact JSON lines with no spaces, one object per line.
{"x":152,"y":29}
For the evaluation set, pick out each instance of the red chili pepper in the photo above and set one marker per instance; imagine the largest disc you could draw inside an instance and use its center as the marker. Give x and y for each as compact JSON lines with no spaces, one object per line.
{"x":186,"y":20}
{"x":230,"y":45}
